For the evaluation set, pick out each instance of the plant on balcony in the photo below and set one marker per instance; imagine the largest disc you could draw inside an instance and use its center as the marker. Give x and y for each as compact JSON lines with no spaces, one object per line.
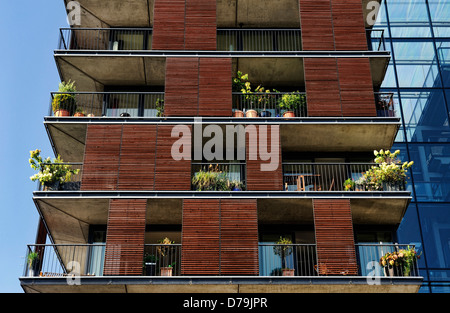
{"x":164,"y":251}
{"x":159,"y":107}
{"x":64,"y":103}
{"x":399,"y":262}
{"x":291,"y":103}
{"x":214,"y":179}
{"x":51,"y":172}
{"x":283,"y":249}
{"x":33,"y":263}
{"x":349,"y":184}
{"x":149,"y":264}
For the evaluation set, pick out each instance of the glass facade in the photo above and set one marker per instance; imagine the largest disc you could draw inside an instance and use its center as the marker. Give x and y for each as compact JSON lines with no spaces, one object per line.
{"x":417,"y":32}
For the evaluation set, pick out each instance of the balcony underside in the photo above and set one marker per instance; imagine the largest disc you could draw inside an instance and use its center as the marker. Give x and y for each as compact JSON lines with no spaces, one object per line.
{"x":221,"y":284}
{"x":68,"y":215}
{"x":230,"y":13}
{"x":67,"y":134}
{"x":92,"y":70}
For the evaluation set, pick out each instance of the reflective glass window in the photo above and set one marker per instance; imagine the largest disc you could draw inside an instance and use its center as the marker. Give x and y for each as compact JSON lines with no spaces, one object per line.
{"x":435,"y":222}
{"x":425,"y":115}
{"x":431,"y":172}
{"x":408,"y":18}
{"x":440,"y":13}
{"x":416,"y":64}
{"x":443,"y":52}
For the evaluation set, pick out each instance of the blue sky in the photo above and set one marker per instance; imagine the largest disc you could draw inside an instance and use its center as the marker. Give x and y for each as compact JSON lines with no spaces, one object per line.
{"x":29,"y":34}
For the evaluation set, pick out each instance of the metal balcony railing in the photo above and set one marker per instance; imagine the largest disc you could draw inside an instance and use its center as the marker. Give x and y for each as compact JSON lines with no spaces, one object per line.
{"x":329,"y":177}
{"x":385,"y":104}
{"x":114,"y":39}
{"x":109,"y":104}
{"x":274,"y":104}
{"x":72,"y":260}
{"x":259,"y":40}
{"x":376,"y":40}
{"x":218,"y":176}
{"x":404,"y":259}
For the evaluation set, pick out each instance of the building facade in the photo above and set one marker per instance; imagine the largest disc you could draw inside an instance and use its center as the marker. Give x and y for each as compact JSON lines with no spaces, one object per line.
{"x":218,"y":144}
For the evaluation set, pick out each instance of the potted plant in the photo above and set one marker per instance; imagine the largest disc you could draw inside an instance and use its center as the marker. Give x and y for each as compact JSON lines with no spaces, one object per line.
{"x":64,"y":102}
{"x":399,"y":263}
{"x":291,"y":103}
{"x":51,"y":173}
{"x":237,"y":185}
{"x":349,"y":184}
{"x":33,"y":264}
{"x":212,"y":179}
{"x":164,"y":251}
{"x":159,"y":107}
{"x":79,"y":112}
{"x":283,"y":249}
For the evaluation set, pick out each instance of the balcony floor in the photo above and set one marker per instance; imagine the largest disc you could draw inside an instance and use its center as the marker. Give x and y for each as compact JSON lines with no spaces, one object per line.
{"x":222,"y":284}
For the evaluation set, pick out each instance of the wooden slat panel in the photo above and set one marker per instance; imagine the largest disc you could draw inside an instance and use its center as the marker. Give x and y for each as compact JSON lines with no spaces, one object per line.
{"x":258,"y":179}
{"x":101,"y":158}
{"x":125,"y":237}
{"x":355,"y":81}
{"x":215,"y":97}
{"x":317,"y":25}
{"x":200,"y":254}
{"x":170,"y":174}
{"x":137,"y":157}
{"x":169,"y":25}
{"x":348,"y":25}
{"x":181,"y":89}
{"x":322,"y":87}
{"x":238,"y":237}
{"x":200,"y":29}
{"x":334,"y":237}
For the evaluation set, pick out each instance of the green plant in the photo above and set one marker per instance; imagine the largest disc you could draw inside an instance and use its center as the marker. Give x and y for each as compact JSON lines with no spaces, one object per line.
{"x":292,"y":101}
{"x":404,"y":259}
{"x":349,"y":184}
{"x":159,"y":107}
{"x":238,"y":82}
{"x":65,"y":100}
{"x":50,"y":171}
{"x":32,"y":258}
{"x":283,"y":249}
{"x":213,"y":179}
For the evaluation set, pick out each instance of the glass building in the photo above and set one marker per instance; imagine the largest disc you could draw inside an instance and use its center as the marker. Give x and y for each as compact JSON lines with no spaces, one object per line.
{"x":417,"y":32}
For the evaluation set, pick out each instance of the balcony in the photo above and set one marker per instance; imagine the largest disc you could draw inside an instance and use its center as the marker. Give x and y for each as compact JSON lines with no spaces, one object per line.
{"x":110,"y":56}
{"x":84,"y":266}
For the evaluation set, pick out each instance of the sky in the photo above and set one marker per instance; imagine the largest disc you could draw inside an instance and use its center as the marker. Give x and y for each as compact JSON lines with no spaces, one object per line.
{"x":29,"y":33}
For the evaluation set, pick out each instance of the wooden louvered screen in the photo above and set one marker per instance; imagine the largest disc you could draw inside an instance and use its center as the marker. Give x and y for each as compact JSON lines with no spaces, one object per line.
{"x":198,"y":87}
{"x":184,"y":25}
{"x":336,"y":253}
{"x":168,"y":25}
{"x":170,"y":174}
{"x":317,"y":25}
{"x":349,"y":87}
{"x":137,"y":157}
{"x":238,"y":237}
{"x":101,"y":157}
{"x":215,"y":93}
{"x":200,"y":254}
{"x":200,"y":30}
{"x":220,"y":237}
{"x":322,"y":87}
{"x":258,"y":179}
{"x":355,"y":81}
{"x":125,"y":237}
{"x":332,"y":25}
{"x":348,"y":25}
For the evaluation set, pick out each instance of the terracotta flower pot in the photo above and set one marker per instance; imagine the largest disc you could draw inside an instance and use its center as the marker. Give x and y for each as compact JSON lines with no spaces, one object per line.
{"x":62,"y":113}
{"x":288,"y":272}
{"x":238,"y":113}
{"x":166,"y":271}
{"x":78,"y":114}
{"x":289,"y":114}
{"x":251,"y":113}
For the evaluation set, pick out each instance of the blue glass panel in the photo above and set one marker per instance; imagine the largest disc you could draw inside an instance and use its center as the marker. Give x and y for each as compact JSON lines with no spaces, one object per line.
{"x":425,"y":115}
{"x":443,"y":52}
{"x":416,"y":64}
{"x":435,"y":222}
{"x":440,"y":13}
{"x":431,"y":171}
{"x":408,"y":18}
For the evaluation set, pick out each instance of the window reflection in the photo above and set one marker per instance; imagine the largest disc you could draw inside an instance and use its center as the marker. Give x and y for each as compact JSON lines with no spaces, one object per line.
{"x":440,"y":12}
{"x":408,"y":18}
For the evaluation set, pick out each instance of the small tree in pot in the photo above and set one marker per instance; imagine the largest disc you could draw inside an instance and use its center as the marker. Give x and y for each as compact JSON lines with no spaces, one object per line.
{"x":283,"y":249}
